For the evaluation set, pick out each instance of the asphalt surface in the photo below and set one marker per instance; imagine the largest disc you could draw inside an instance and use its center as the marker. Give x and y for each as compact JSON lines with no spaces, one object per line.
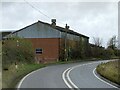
{"x":51,"y":77}
{"x":83,"y":77}
{"x":48,"y":77}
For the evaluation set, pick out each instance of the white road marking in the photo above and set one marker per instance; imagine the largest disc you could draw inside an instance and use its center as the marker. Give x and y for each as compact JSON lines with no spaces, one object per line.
{"x":70,"y":79}
{"x":68,"y":76}
{"x":63,"y":76}
{"x":102,"y":79}
{"x":20,"y":83}
{"x":71,"y":68}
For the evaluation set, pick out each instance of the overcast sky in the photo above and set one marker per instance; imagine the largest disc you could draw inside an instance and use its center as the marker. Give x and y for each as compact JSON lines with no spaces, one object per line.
{"x":93,"y":19}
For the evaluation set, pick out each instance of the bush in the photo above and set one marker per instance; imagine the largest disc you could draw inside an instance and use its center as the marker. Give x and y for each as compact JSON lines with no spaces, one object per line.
{"x":110,"y":70}
{"x":117,"y":52}
{"x":16,"y":50}
{"x":74,"y":54}
{"x":109,"y":53}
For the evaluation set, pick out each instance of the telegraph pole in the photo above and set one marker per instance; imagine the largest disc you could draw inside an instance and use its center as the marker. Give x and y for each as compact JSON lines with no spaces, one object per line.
{"x":66,"y":51}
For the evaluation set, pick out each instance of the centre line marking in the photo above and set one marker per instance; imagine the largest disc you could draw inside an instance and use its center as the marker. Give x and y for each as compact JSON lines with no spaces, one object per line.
{"x":68,"y":81}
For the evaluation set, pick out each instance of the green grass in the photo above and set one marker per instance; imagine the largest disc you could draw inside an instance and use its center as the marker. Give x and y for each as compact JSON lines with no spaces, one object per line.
{"x":110,"y":70}
{"x":11,"y":77}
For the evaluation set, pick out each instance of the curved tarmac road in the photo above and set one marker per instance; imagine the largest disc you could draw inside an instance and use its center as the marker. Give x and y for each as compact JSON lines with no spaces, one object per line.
{"x":79,"y":74}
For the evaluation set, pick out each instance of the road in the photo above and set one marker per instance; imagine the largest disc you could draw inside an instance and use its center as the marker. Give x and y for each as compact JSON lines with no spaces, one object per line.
{"x":76,"y":75}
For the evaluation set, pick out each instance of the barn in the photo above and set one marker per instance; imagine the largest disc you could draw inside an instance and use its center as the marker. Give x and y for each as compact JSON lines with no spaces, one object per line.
{"x":52,"y":43}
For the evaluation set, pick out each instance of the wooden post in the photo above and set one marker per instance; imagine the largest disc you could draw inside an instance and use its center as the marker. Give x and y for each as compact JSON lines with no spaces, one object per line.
{"x":66,"y":51}
{"x":16,"y":66}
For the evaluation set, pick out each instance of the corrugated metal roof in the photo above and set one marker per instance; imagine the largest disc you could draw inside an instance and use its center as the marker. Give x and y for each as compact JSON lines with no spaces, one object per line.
{"x":61,"y":29}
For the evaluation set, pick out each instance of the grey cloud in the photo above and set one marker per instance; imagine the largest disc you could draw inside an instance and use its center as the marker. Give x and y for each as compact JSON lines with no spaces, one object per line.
{"x":89,"y":18}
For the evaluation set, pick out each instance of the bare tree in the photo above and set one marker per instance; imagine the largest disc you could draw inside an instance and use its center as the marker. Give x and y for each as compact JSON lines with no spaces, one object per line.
{"x":97,"y":49}
{"x":112,"y":42}
{"x":97,"y":41}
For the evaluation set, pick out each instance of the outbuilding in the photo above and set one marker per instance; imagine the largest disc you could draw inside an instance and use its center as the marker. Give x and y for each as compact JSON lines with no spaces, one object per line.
{"x":51,"y":42}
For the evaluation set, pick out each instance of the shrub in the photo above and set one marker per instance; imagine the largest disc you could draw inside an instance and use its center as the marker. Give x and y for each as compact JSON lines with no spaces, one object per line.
{"x":16,"y":50}
{"x":117,"y":52}
{"x":110,"y":70}
{"x":109,"y":52}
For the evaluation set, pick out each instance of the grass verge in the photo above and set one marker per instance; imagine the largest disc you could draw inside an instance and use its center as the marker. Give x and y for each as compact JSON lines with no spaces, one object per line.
{"x":11,"y":77}
{"x":110,"y":71}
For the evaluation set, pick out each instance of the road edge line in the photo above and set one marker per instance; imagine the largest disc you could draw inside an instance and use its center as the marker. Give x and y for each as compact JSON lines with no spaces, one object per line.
{"x":21,"y":81}
{"x":102,"y":79}
{"x":73,"y":67}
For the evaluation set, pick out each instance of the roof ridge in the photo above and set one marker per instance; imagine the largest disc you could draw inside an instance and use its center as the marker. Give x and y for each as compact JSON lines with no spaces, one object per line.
{"x":56,"y":27}
{"x":61,"y":29}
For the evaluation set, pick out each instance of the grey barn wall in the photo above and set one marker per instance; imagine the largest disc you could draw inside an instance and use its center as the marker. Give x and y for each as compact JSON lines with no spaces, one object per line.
{"x":70,"y":36}
{"x":39,"y":30}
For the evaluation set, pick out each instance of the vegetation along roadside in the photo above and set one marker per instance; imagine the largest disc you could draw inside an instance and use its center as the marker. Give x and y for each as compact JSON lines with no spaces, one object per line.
{"x":110,"y":70}
{"x":18,"y":59}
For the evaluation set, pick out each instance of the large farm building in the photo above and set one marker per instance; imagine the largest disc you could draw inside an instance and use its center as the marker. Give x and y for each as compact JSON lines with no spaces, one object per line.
{"x":52,"y":42}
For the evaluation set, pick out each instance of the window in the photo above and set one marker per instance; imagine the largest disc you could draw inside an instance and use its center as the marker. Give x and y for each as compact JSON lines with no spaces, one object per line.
{"x":39,"y":51}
